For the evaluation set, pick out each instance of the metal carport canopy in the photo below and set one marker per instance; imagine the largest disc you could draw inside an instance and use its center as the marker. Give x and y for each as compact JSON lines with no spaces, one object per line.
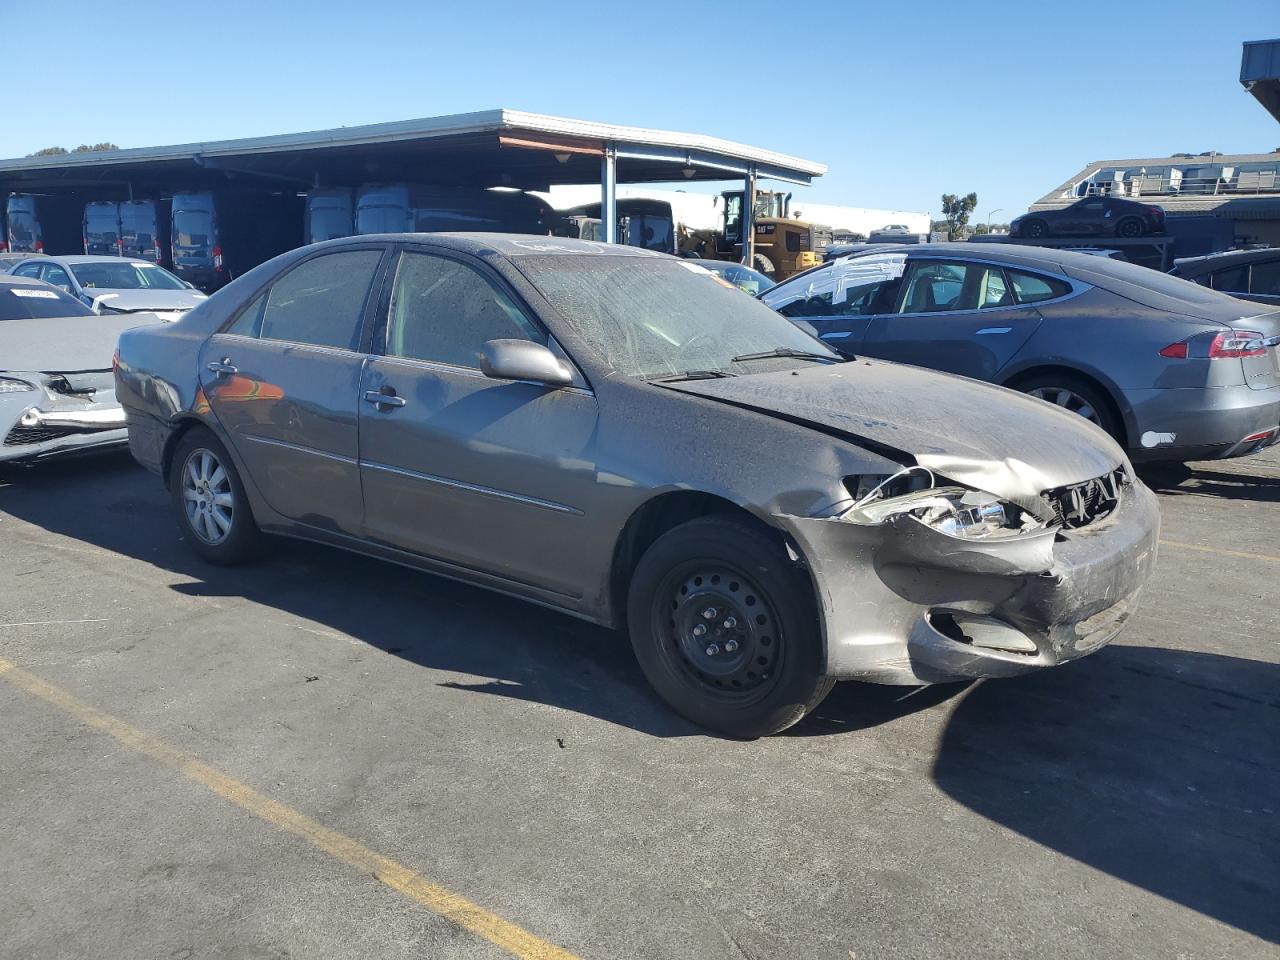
{"x":487,"y":149}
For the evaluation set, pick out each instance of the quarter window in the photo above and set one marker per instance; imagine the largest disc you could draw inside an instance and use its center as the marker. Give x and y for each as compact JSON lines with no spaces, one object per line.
{"x":1232,"y":279}
{"x":1265,"y":278}
{"x":1032,"y":288}
{"x":446,"y":311}
{"x":321,"y":301}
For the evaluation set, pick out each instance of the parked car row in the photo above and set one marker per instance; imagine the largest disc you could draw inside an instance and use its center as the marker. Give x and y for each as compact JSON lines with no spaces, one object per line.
{"x":745,"y":485}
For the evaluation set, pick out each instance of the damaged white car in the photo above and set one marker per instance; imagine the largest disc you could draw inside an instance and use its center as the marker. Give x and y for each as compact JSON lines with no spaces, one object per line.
{"x":57,"y":395}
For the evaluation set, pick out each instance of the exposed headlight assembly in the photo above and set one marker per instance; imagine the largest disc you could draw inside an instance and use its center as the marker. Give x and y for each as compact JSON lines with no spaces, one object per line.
{"x":954,"y":511}
{"x":10,"y":385}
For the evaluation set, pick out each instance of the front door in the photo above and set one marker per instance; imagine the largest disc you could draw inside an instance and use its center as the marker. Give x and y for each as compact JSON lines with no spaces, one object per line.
{"x":839,"y":300}
{"x":490,"y":475}
{"x":954,"y":316}
{"x":284,"y":381}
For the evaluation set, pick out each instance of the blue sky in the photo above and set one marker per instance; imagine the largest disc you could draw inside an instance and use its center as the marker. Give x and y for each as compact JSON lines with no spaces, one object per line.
{"x":902,"y":101}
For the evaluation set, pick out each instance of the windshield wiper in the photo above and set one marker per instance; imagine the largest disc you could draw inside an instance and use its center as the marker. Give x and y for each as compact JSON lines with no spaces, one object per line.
{"x":786,"y":352}
{"x":694,"y":375}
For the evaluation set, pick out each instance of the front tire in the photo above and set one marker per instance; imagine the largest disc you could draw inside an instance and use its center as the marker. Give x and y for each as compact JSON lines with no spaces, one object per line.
{"x":210,"y":501}
{"x":762,"y":264}
{"x":725,"y":628}
{"x":1130,"y":228}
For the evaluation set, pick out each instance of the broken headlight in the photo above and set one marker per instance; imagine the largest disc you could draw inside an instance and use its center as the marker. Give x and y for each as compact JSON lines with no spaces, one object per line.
{"x":9,"y":385}
{"x":954,"y":511}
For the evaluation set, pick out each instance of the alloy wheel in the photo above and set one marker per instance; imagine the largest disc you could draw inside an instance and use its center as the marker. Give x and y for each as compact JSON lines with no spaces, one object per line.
{"x":207,"y":496}
{"x":1069,"y":400}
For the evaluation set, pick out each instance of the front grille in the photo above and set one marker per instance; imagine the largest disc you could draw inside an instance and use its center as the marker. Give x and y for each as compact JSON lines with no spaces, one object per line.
{"x":25,"y":436}
{"x":1080,"y":504}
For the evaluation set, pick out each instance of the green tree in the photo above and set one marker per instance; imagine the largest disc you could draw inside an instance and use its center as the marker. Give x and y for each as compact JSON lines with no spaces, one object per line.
{"x":83,"y":148}
{"x":956,"y":210}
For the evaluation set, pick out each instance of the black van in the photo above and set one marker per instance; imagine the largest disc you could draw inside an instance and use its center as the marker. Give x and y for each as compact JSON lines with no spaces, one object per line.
{"x":102,"y":228}
{"x":217,"y":237}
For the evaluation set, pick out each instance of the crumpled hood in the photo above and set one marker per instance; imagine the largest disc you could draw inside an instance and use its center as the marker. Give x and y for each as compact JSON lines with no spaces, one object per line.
{"x":989,"y":438}
{"x":146,"y":299}
{"x":64,"y":344}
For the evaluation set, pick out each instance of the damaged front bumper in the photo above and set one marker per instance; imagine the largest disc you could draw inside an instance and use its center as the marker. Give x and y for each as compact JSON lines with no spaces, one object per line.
{"x":58,"y":426}
{"x":903,"y":603}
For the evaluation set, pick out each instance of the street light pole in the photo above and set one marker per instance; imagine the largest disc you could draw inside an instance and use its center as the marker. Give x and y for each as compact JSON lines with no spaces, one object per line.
{"x":989,"y":215}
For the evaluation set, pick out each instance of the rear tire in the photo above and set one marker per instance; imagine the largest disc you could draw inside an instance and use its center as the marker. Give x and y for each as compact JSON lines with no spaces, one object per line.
{"x":1078,"y":395}
{"x":1035,"y":229}
{"x":719,"y":582}
{"x":210,"y":502}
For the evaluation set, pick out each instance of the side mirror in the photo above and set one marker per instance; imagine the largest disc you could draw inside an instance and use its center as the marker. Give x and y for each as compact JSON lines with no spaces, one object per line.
{"x":523,"y":360}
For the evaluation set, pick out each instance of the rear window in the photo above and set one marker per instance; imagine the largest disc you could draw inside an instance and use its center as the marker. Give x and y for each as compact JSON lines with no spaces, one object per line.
{"x":1146,"y":286}
{"x":29,"y":302}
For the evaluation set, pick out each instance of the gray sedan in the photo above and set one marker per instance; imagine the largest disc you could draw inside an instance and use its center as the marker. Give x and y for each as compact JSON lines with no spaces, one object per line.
{"x":616,"y":434}
{"x":1170,"y":369}
{"x":57,"y":395}
{"x":115,"y":284}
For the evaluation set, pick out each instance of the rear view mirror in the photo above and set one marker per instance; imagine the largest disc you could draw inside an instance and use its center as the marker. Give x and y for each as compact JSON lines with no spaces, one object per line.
{"x":524,"y":360}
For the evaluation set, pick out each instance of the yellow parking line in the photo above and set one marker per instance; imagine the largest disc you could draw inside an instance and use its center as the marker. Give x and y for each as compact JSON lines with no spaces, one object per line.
{"x":395,"y":875}
{"x":1218,"y":550}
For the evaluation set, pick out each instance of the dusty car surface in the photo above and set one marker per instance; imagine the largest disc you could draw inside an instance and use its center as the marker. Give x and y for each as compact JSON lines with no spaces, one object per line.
{"x":57,"y":394}
{"x":108,"y":284}
{"x":612,"y":433}
{"x":1171,"y":370}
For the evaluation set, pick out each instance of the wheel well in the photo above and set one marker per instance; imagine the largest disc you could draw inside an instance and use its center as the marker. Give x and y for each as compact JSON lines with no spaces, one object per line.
{"x":180,"y":430}
{"x":650,"y":521}
{"x":1070,"y":373}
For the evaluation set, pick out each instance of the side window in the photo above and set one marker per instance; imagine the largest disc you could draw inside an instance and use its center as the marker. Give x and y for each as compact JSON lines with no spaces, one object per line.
{"x":1231,"y":279}
{"x":1032,"y":288}
{"x":934,"y":286}
{"x":27,"y":270}
{"x":250,"y":319}
{"x":321,"y":301}
{"x":446,"y":311}
{"x":993,"y":291}
{"x":57,"y":276}
{"x":1265,"y":278}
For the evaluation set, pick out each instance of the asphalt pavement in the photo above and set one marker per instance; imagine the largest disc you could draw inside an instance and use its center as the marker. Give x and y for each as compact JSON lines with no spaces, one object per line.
{"x":321,"y":755}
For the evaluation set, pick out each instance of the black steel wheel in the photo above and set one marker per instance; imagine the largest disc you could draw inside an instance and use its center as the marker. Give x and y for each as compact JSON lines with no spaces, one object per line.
{"x":725,"y":627}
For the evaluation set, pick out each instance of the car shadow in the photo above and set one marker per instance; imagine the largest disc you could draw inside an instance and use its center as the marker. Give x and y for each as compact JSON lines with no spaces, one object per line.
{"x":1183,"y":480}
{"x":505,"y":647}
{"x":1155,"y":766}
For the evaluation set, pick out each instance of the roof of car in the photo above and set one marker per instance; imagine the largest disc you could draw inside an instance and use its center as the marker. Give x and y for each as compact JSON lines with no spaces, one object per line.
{"x":9,"y":280}
{"x":79,"y":258}
{"x":1041,"y":257}
{"x":507,"y":244}
{"x":1196,"y":265}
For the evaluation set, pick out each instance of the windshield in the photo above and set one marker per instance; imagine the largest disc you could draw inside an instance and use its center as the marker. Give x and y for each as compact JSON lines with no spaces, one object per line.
{"x":659,"y":317}
{"x":37,"y":301}
{"x":126,"y":276}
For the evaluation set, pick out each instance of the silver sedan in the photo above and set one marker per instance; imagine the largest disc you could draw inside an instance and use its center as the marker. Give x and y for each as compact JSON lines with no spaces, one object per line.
{"x":616,"y":434}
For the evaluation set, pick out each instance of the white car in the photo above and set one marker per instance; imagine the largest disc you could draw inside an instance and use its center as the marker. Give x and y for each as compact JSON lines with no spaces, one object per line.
{"x":115,"y":284}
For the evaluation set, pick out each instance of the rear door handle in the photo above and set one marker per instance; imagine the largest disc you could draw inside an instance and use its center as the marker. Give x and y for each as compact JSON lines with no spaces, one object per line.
{"x":223,"y":367}
{"x":380,"y":399}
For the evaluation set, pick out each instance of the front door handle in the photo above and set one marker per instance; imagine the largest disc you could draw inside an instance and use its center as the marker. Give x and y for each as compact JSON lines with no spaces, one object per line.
{"x":382,"y":399}
{"x":223,"y":367}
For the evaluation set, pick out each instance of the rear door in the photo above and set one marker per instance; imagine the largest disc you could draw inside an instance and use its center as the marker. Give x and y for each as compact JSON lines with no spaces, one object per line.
{"x":957,"y":316}
{"x":839,"y":300}
{"x":489,"y":475}
{"x":283,"y":380}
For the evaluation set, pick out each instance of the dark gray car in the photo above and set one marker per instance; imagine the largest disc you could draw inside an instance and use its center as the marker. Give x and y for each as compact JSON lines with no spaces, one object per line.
{"x":1247,"y":274}
{"x":616,"y":434}
{"x":1170,"y":369}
